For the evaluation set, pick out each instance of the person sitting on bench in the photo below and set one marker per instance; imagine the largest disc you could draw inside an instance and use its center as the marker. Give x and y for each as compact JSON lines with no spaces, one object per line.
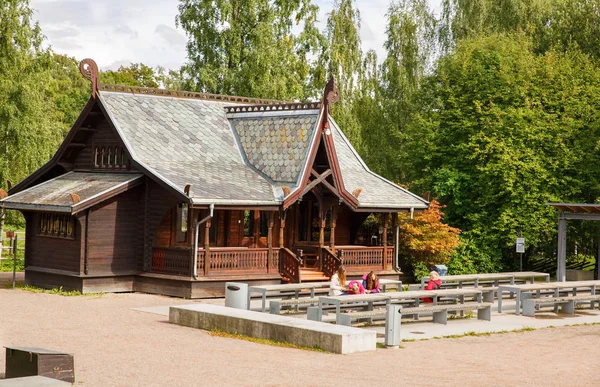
{"x":433,"y":284}
{"x":338,"y":282}
{"x":355,"y":287}
{"x":371,"y":283}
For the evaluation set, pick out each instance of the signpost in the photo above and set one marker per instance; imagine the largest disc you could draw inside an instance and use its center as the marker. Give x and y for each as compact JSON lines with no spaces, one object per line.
{"x":521,"y":250}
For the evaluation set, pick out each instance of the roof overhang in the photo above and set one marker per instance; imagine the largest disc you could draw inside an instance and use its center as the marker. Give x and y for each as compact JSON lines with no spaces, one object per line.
{"x":576,"y":208}
{"x":72,"y":192}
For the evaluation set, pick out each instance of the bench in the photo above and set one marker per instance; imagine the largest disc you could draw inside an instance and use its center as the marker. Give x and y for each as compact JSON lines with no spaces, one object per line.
{"x":440,"y":312}
{"x":275,"y":305}
{"x":567,"y":304}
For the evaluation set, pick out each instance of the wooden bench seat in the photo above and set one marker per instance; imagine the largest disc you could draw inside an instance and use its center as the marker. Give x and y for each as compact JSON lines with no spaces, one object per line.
{"x":440,"y":312}
{"x":275,"y":305}
{"x":567,"y":304}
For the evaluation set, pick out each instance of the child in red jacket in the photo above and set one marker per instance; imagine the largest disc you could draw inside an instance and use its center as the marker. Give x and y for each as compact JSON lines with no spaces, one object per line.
{"x":434,"y":284}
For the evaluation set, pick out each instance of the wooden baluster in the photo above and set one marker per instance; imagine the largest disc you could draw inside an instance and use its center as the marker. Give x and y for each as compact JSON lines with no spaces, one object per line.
{"x":207,"y":248}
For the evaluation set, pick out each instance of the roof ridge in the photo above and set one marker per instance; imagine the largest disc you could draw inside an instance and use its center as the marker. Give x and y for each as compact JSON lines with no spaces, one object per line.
{"x":283,"y":106}
{"x":189,"y":94}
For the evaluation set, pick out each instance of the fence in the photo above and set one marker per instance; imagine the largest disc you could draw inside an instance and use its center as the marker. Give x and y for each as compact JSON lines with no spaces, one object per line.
{"x":16,"y":243}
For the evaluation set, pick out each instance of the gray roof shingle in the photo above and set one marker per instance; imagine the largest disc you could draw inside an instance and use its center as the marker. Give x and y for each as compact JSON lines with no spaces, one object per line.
{"x":277,"y":145}
{"x":376,"y":191}
{"x":187,"y":141}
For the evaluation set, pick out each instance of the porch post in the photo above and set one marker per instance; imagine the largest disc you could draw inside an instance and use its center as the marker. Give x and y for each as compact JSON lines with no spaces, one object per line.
{"x":333,"y":224}
{"x":207,"y":247}
{"x":384,"y":238}
{"x":281,"y":228}
{"x":270,"y":242}
{"x":562,"y":248}
{"x":396,"y":234}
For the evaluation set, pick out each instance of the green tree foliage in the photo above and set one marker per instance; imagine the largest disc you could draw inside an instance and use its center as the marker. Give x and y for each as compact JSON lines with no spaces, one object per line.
{"x":247,"y":47}
{"x":69,"y":90}
{"x":342,"y":59}
{"x":507,"y":132}
{"x":136,"y":74}
{"x":30,"y":128}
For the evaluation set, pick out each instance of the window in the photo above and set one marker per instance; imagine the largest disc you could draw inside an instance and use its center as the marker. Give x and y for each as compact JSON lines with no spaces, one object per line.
{"x":110,"y":157}
{"x":56,"y":225}
{"x":248,"y":223}
{"x":264,"y":223}
{"x":181,"y":226}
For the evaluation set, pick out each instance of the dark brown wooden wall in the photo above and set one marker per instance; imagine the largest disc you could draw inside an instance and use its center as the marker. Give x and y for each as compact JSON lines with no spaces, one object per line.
{"x":342,"y":228}
{"x":159,"y":222}
{"x":115,"y":234}
{"x":51,"y":253}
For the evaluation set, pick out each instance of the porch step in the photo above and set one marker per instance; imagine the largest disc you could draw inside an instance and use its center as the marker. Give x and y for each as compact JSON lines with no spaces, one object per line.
{"x":312,"y":275}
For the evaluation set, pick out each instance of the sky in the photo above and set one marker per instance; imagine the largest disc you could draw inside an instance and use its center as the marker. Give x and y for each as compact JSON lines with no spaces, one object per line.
{"x":120,"y":32}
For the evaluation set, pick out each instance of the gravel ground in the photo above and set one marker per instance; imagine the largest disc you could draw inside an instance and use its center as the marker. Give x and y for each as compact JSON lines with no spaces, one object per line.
{"x":115,"y":346}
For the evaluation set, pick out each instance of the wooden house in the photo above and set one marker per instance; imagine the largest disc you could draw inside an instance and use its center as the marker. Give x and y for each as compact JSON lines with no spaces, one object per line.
{"x":178,"y":192}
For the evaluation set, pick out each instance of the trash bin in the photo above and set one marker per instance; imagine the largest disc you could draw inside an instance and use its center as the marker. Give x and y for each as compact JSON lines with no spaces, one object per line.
{"x":236,"y":295}
{"x":441,"y":269}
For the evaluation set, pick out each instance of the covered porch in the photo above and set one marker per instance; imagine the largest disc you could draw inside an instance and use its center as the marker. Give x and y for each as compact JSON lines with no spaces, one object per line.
{"x":240,"y":244}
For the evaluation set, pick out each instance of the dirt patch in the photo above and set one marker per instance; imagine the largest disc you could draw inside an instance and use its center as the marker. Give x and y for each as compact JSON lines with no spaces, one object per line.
{"x":115,"y":346}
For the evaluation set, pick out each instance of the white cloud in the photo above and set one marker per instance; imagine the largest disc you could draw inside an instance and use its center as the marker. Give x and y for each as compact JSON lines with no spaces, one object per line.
{"x":119,"y":32}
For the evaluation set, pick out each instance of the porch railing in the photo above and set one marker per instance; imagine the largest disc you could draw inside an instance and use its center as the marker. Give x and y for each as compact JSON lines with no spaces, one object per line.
{"x":366,"y":257}
{"x":232,"y":260}
{"x":289,"y":265}
{"x":329,"y":261}
{"x":171,"y":261}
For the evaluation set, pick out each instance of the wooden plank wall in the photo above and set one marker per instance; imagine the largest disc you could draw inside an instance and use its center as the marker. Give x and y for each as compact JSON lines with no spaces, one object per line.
{"x":49,"y":252}
{"x":158,"y":218}
{"x":115,"y":234}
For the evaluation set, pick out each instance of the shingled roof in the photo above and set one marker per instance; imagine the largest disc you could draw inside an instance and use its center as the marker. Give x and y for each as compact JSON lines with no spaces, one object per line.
{"x":188,"y":141}
{"x":236,"y":158}
{"x":376,"y":192}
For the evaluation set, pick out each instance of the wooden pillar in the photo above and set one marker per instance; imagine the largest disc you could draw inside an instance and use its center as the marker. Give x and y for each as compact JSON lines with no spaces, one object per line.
{"x":396,"y":227}
{"x":207,"y":247}
{"x":598,"y":257}
{"x":562,"y":248}
{"x":256,"y":228}
{"x":282,"y":228}
{"x":270,"y":242}
{"x":333,"y":224}
{"x":322,"y":227}
{"x":384,"y":219}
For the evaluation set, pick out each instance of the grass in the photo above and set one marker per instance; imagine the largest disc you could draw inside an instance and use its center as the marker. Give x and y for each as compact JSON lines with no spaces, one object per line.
{"x":6,"y":264}
{"x":219,"y":333}
{"x":59,"y":291}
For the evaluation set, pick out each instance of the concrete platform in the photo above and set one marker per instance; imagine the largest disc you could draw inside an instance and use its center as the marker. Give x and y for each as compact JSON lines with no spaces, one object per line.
{"x":305,"y":333}
{"x":33,"y":381}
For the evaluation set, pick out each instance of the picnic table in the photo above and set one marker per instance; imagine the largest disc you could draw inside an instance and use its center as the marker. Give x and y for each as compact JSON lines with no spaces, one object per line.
{"x":436,"y":294}
{"x":415,"y":295}
{"x":296,"y":288}
{"x":518,"y":290}
{"x":338,"y":301}
{"x":475,"y":278}
{"x":311,"y":286}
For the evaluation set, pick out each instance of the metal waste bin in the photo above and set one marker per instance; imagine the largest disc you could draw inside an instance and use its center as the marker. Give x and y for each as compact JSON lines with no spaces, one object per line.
{"x":392,"y":325}
{"x":236,"y":295}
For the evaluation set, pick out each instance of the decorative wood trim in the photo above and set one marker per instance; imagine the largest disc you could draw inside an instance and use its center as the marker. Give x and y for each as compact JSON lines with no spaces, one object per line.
{"x":186,"y":94}
{"x":277,"y":106}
